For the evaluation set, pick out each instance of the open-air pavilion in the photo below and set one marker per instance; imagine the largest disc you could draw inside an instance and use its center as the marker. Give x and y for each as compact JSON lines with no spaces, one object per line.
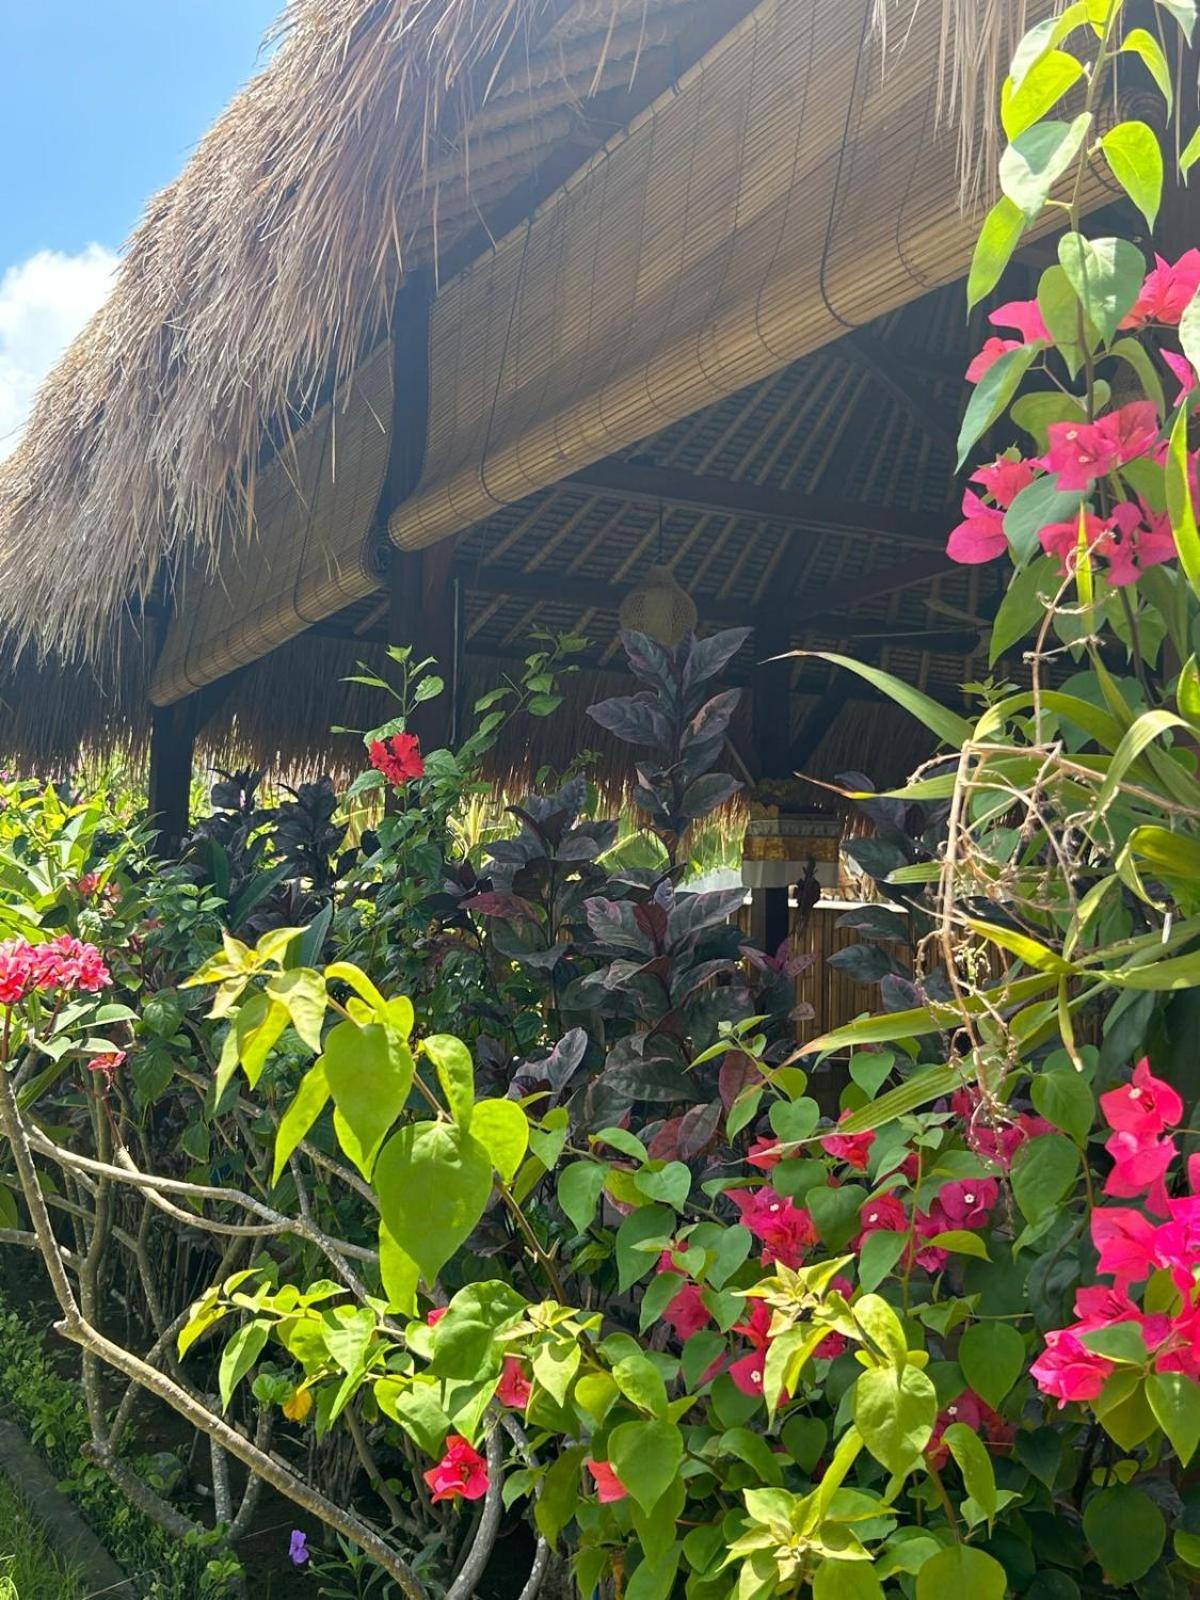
{"x":465,"y":320}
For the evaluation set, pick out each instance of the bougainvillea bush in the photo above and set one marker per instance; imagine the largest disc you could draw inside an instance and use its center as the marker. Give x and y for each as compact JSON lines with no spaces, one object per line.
{"x":599,"y":1289}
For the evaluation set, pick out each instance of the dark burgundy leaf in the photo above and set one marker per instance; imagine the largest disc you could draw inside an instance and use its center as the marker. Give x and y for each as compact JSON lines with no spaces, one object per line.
{"x":865,"y":963}
{"x":875,"y":857}
{"x":737,"y":1072}
{"x":649,"y":660}
{"x":502,"y":905}
{"x":709,"y":656}
{"x":632,"y":719}
{"x":656,"y":1080}
{"x":706,"y":793}
{"x":613,"y":922}
{"x":697,"y":1129}
{"x":693,"y":913}
{"x":898,"y":993}
{"x":651,"y":918}
{"x":876,"y":922}
{"x":714,"y":716}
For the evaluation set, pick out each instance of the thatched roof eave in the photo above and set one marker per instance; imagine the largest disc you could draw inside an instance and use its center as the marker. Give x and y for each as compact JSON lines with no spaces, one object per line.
{"x":274,"y":261}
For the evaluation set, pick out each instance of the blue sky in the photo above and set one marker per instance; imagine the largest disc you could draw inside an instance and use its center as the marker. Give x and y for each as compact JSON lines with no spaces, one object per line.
{"x":102,"y":102}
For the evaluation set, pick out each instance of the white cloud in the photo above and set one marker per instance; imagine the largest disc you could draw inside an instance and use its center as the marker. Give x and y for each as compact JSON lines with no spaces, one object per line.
{"x":44,"y":302}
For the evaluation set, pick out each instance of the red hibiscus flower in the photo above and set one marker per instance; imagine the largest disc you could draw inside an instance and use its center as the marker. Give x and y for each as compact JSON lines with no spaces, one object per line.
{"x":461,"y":1474}
{"x":108,"y":1064}
{"x":398,"y":758}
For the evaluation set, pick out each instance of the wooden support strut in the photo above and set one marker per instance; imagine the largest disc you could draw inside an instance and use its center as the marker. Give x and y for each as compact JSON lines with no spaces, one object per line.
{"x":424,"y":595}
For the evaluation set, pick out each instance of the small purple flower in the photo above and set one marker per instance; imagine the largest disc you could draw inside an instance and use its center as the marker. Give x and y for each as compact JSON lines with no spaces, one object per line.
{"x":298,"y":1551}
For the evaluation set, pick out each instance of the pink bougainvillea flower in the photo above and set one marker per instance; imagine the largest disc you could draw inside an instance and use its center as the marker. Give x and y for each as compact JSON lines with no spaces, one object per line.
{"x":988,"y":356}
{"x":436,"y":1315}
{"x":929,"y":1256}
{"x":399,"y":758}
{"x":756,"y":1327}
{"x":995,"y":1141}
{"x":687,"y":1313}
{"x":1004,"y":479}
{"x":1179,"y":1351}
{"x":514,"y":1387}
{"x":1146,"y":1105}
{"x":1026,"y":318}
{"x":1127,"y":1244}
{"x":1068,"y":1370}
{"x":884,"y":1214}
{"x":1177,"y":1241}
{"x":747,"y":1372}
{"x":1183,"y":372}
{"x":980,"y":535}
{"x":1099,"y":1305}
{"x":1166,"y":291}
{"x":764,"y":1154}
{"x":1081,"y":452}
{"x":784,"y":1227}
{"x":852,"y":1148}
{"x":461,"y":1474}
{"x":965,"y":1203}
{"x":608,"y":1486}
{"x":1140,"y":1162}
{"x":973,"y":1413}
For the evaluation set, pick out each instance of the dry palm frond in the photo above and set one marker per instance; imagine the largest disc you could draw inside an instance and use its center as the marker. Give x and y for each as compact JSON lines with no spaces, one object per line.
{"x":976,"y":42}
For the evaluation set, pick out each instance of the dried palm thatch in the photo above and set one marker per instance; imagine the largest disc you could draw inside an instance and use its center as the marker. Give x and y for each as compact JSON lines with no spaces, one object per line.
{"x":261,"y":275}
{"x":976,"y":42}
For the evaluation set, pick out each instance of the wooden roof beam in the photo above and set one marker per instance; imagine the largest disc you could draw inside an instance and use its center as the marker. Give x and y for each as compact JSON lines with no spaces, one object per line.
{"x":910,"y":389}
{"x":727,"y":497}
{"x":820,"y":604}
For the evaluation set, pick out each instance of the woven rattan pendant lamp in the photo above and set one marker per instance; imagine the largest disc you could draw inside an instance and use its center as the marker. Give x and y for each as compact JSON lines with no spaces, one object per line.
{"x":658,"y":606}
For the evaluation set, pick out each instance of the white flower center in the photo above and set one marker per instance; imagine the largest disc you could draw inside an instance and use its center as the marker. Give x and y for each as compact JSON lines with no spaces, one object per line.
{"x":970,"y":1199}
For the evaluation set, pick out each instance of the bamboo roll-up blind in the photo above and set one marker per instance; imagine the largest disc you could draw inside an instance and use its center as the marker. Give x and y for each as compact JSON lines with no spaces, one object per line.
{"x":790,"y":187}
{"x":309,"y":554}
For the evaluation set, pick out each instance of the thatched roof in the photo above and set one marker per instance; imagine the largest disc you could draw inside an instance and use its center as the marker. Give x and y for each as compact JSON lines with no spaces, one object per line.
{"x":379,"y":137}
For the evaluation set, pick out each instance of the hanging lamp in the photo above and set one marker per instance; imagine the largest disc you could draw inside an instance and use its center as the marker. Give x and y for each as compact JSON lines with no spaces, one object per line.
{"x":659,"y":606}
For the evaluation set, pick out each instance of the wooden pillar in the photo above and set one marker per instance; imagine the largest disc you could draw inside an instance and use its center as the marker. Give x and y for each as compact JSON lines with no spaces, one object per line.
{"x":770,"y":921}
{"x":426,"y":613}
{"x":172,"y":746}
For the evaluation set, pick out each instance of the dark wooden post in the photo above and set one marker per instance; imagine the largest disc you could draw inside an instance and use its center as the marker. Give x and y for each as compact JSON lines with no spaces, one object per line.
{"x":424,"y":608}
{"x":172,"y":746}
{"x":769,"y":917}
{"x":426,"y":613}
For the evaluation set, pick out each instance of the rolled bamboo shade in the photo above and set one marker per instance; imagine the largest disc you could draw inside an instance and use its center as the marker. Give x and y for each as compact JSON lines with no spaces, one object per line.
{"x":310,"y":553}
{"x":792,"y":186}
